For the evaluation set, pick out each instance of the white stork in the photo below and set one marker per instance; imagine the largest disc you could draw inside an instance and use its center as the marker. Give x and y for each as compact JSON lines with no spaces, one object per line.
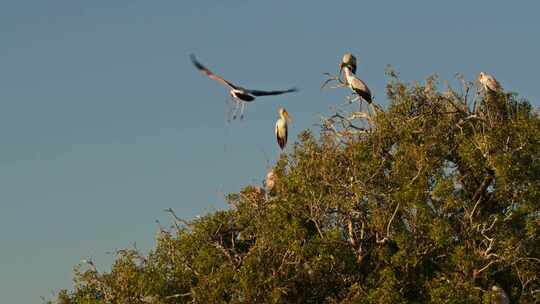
{"x":281,"y":128}
{"x":356,"y":84}
{"x":270,"y":180}
{"x":238,"y":94}
{"x":489,"y":83}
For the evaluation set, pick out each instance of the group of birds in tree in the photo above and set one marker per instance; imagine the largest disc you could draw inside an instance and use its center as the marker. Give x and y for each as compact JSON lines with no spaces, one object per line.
{"x":241,"y":96}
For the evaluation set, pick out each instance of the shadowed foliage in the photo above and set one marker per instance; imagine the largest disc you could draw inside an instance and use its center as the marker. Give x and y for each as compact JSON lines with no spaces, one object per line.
{"x":435,"y":202}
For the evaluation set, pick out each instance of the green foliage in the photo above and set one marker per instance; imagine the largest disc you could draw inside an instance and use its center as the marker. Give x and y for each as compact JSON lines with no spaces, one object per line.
{"x":435,"y":203}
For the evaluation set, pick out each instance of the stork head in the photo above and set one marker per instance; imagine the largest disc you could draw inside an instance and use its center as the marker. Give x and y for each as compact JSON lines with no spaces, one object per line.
{"x":481,"y":75}
{"x":284,"y":114}
{"x":348,"y":60}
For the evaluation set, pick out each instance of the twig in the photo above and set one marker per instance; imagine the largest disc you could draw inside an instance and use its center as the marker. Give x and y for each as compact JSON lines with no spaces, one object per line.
{"x":387,"y":237}
{"x":177,"y":219}
{"x":476,"y":273}
{"x":478,"y":195}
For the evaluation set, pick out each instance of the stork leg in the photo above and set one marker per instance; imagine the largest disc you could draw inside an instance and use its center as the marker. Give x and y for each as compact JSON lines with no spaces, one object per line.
{"x":242,"y":109}
{"x":236,"y":107}
{"x":231,"y":108}
{"x":228,"y":108}
{"x":352,"y":98}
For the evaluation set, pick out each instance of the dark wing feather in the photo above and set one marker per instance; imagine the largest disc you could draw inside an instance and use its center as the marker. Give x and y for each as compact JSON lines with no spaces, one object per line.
{"x":208,"y":73}
{"x":361,"y":88}
{"x":265,"y":93}
{"x":282,"y":141}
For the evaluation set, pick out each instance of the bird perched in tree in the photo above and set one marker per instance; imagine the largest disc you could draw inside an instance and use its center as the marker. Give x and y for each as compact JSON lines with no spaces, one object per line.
{"x":356,"y":84}
{"x":489,"y":83}
{"x":281,"y":128}
{"x":499,"y":295}
{"x":270,"y":180}
{"x":238,"y":94}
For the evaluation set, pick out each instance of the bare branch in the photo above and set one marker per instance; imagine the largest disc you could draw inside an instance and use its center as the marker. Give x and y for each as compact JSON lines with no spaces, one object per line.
{"x":177,"y":219}
{"x":477,"y":272}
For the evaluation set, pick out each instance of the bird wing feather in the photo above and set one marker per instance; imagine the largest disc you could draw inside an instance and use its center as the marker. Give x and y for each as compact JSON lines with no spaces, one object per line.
{"x":209,"y":73}
{"x":360,"y":88}
{"x":265,"y":93}
{"x":492,"y":83}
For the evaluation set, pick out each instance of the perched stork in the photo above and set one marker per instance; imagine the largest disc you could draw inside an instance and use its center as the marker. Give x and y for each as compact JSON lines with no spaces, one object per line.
{"x":499,"y":295}
{"x":489,"y":83}
{"x":281,"y":128}
{"x":356,"y":84}
{"x":270,"y":180}
{"x":238,"y":94}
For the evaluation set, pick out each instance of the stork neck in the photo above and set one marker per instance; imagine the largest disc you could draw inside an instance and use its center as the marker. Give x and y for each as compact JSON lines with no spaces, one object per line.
{"x":348,"y":72}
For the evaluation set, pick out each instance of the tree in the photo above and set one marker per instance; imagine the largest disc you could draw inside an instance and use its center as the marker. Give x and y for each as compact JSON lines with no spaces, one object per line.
{"x":437,"y":201}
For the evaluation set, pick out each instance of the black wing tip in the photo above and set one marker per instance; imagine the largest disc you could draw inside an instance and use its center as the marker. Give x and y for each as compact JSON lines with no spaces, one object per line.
{"x":195,"y":62}
{"x":281,"y":142}
{"x":294,"y":89}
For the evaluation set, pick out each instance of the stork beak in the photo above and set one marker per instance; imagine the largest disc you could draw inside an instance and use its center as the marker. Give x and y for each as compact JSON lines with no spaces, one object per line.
{"x":287,"y":117}
{"x":341,"y":66}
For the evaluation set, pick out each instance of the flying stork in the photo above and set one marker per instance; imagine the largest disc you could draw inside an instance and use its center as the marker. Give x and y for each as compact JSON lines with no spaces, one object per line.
{"x":239,"y":94}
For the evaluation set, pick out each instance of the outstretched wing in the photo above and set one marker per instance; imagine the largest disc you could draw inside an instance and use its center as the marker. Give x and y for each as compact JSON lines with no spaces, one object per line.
{"x":208,"y":73}
{"x":265,"y":93}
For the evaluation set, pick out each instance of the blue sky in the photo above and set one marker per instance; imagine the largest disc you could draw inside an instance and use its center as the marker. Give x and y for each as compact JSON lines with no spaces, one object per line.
{"x":104,"y":122}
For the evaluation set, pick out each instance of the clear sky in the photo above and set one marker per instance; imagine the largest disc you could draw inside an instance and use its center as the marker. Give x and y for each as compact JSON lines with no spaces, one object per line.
{"x":104,"y":122}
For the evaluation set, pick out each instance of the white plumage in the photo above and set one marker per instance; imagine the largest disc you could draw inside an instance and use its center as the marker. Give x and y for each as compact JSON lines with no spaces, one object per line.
{"x":489,"y":83}
{"x":281,"y":129}
{"x":357,"y":85}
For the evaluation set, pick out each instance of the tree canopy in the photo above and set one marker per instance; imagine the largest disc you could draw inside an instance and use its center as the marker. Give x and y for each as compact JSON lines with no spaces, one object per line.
{"x":433,"y":200}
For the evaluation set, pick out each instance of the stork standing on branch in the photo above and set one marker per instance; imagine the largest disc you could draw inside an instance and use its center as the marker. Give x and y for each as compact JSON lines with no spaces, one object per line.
{"x":238,"y":94}
{"x":356,"y":84}
{"x":496,"y":106}
{"x":489,"y":83}
{"x":359,"y":87}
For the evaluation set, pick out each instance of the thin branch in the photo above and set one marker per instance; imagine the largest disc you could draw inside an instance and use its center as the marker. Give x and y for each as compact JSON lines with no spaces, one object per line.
{"x":479,"y":194}
{"x":387,"y":237}
{"x":391,"y":219}
{"x":476,"y":273}
{"x":351,"y":233}
{"x":177,"y":219}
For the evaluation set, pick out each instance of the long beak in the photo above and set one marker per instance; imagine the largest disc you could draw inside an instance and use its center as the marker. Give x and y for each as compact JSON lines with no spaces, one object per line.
{"x":287,"y":117}
{"x":341,"y":67}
